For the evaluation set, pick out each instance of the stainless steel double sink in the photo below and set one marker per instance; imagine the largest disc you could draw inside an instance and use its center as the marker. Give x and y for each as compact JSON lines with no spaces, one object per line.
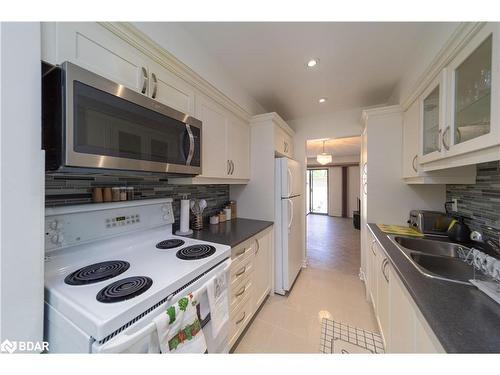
{"x":437,"y":258}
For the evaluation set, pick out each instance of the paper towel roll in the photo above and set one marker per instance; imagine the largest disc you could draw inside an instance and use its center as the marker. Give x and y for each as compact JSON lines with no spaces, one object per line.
{"x":184,"y":224}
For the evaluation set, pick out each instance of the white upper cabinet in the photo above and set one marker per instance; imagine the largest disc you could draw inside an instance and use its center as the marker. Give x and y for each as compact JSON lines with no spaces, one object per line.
{"x":92,"y":47}
{"x":283,"y":142}
{"x":460,"y":123}
{"x":214,"y":156}
{"x":117,"y":56}
{"x":170,"y":90}
{"x":226,"y":142}
{"x":238,"y":148}
{"x":421,"y":141}
{"x":410,"y":141}
{"x":431,"y":118}
{"x":473,"y":120}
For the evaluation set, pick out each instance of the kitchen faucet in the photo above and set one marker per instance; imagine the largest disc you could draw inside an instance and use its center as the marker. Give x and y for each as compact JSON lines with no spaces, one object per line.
{"x":477,"y":236}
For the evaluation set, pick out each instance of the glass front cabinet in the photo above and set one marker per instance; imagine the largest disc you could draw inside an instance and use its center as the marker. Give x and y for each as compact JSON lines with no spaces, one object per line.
{"x":459,"y":110}
{"x":432,"y":119}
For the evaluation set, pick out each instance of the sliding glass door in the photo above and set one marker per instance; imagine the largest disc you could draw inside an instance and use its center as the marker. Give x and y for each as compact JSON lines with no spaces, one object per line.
{"x":317,"y":191}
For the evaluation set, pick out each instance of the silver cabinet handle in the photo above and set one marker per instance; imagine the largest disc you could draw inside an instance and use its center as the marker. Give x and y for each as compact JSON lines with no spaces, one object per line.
{"x":258,"y":246}
{"x":191,"y":145}
{"x":145,"y":80}
{"x":232,"y":167}
{"x":413,"y":163}
{"x":371,"y":247}
{"x":440,"y":135}
{"x":446,"y":145}
{"x":155,"y":87}
{"x":242,"y":290}
{"x":384,"y":267}
{"x":242,"y":318}
{"x":228,"y":167}
{"x":241,"y":252}
{"x":241,"y":271}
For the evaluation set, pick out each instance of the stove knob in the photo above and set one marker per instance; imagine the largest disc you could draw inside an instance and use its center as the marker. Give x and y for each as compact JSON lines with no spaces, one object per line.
{"x":60,"y":239}
{"x":54,"y":239}
{"x":165,"y":217}
{"x":164,"y":208}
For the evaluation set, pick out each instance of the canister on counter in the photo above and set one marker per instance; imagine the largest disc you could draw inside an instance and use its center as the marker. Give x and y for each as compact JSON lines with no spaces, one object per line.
{"x":123,"y":193}
{"x":232,"y":204}
{"x":222,"y":217}
{"x":115,"y":192}
{"x":130,"y":193}
{"x":227,"y":213}
{"x":97,"y":195}
{"x":107,"y":195}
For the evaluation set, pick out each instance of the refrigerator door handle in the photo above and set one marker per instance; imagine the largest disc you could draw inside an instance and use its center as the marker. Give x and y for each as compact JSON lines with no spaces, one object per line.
{"x":290,"y":182}
{"x":291,"y":214}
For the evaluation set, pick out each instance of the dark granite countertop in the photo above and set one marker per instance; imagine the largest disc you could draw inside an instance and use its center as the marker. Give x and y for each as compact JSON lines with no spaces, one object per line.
{"x":464,"y":319}
{"x":232,"y":232}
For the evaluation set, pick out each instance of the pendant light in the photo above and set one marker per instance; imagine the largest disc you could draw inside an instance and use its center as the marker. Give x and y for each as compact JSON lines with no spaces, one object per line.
{"x":324,"y":158}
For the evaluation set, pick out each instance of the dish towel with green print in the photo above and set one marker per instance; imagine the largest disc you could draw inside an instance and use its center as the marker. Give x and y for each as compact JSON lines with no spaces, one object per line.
{"x":179,"y":328}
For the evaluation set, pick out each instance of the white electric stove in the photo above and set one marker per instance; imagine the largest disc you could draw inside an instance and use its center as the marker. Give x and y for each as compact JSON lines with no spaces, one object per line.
{"x":111,"y":267}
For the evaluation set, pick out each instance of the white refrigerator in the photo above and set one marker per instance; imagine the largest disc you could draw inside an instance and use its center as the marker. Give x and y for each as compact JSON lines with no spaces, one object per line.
{"x":290,"y":228}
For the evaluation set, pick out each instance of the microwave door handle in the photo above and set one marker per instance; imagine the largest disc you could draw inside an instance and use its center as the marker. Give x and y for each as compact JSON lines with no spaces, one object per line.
{"x":191,"y":145}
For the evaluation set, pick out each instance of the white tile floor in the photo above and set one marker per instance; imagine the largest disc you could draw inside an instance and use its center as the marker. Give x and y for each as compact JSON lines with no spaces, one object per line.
{"x":328,"y":288}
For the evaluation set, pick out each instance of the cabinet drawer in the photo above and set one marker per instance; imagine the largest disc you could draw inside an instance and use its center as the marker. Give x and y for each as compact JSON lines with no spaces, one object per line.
{"x":240,"y":292}
{"x":241,"y":270}
{"x":243,"y":251}
{"x":239,"y":319}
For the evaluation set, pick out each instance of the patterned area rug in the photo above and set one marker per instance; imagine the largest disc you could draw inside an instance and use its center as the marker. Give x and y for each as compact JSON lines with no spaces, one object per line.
{"x":340,"y":338}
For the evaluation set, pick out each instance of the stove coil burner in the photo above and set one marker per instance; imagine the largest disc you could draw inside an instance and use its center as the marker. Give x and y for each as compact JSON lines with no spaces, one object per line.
{"x":97,"y":272}
{"x":169,"y":244}
{"x":124,"y":289}
{"x":195,"y":252}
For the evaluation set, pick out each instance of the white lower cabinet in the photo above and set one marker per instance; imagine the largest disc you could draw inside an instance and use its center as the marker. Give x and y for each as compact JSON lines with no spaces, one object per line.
{"x":250,"y":281}
{"x":401,"y":323}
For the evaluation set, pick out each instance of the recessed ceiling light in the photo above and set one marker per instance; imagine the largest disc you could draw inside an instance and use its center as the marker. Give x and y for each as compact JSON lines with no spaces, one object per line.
{"x":322,"y":100}
{"x":312,"y":63}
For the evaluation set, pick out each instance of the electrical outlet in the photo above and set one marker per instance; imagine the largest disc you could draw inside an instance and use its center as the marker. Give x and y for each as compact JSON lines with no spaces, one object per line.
{"x":454,"y":205}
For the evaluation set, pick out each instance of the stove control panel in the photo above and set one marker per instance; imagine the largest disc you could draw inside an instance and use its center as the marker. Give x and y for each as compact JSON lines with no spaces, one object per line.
{"x":73,"y":225}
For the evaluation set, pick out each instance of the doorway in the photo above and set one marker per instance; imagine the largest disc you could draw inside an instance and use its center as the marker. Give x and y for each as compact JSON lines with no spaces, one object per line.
{"x":317,"y":191}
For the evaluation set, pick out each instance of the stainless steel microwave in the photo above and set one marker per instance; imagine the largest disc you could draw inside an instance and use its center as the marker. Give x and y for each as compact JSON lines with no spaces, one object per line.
{"x":92,"y":124}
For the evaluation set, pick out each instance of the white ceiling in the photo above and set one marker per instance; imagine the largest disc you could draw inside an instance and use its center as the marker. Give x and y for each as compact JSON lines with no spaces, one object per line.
{"x":337,"y":147}
{"x":360,"y":63}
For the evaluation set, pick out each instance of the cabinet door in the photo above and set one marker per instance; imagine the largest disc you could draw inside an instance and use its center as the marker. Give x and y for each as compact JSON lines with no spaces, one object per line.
{"x":410,"y":141}
{"x":238,"y":145}
{"x":214,"y":153}
{"x":282,"y":142}
{"x":402,"y":318}
{"x":92,"y":47}
{"x":432,"y":118}
{"x":262,"y":271}
{"x":372,"y":272}
{"x":474,"y":79}
{"x":383,"y":293}
{"x":170,"y":90}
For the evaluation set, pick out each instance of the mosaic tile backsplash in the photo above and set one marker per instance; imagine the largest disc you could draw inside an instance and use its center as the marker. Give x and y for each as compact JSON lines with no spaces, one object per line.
{"x":480,"y":203}
{"x":64,"y":190}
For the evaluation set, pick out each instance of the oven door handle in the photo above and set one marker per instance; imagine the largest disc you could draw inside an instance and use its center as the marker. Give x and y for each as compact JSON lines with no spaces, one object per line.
{"x":191,"y":145}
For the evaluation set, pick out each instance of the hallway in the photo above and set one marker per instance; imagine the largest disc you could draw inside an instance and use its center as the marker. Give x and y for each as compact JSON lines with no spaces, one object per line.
{"x":328,"y":288}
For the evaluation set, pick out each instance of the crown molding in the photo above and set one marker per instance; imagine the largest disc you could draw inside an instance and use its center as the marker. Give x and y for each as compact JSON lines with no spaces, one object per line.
{"x":153,"y":50}
{"x":460,"y":37}
{"x":380,"y":111}
{"x":276,"y":118}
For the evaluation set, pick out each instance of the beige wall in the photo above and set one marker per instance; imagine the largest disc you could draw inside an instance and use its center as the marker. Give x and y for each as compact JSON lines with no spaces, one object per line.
{"x":335,"y":191}
{"x":353,"y":189}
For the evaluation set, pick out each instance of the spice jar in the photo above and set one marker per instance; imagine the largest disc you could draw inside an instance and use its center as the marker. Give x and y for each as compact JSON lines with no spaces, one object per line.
{"x":222,"y":217}
{"x":107,"y":195}
{"x":123,"y":193}
{"x":130,"y":193}
{"x":115,"y":192}
{"x":97,"y":195}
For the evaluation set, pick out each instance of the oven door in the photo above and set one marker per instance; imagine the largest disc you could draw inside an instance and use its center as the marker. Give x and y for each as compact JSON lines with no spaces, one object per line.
{"x":108,"y":126}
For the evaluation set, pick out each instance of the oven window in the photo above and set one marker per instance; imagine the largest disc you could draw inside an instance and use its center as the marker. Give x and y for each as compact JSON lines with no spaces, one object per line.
{"x":107,"y":125}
